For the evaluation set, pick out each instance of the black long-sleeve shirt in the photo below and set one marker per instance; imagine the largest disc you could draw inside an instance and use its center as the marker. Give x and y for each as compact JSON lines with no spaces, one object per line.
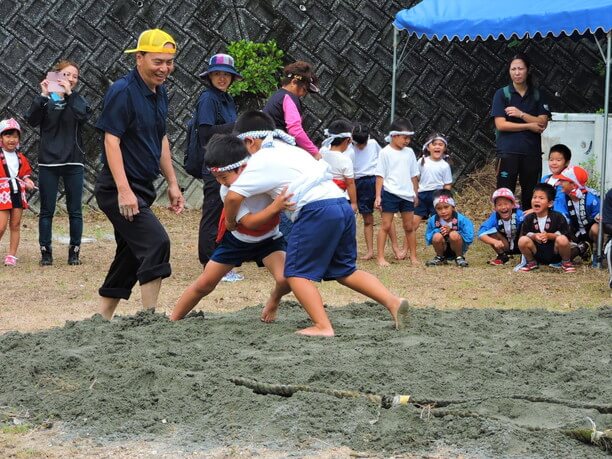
{"x":61,"y":123}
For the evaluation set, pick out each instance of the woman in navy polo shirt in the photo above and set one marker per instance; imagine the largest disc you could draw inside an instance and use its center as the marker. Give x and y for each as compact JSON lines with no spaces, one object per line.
{"x":520,"y":115}
{"x":216,"y":115}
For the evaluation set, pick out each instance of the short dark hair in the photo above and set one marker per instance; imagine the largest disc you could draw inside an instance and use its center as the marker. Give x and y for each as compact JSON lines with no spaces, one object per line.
{"x":11,"y":132}
{"x":337,"y":127}
{"x":442,"y":192}
{"x":254,"y":120}
{"x":563,"y":149}
{"x":223,"y":150}
{"x":361,"y":133}
{"x":546,"y":188}
{"x":401,"y":124}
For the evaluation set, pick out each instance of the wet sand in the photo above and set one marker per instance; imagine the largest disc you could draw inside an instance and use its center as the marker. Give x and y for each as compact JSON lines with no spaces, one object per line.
{"x":517,"y":380}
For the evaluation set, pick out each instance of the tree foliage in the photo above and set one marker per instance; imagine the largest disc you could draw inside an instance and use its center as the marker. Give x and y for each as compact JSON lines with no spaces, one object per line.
{"x":259,"y":64}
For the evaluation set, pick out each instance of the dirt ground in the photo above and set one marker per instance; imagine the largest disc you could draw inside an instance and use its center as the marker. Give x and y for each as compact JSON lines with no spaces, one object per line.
{"x":463,"y":342}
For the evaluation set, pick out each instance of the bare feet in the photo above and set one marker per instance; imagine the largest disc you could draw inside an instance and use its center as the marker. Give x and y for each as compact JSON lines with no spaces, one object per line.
{"x":400,"y":254}
{"x":269,"y":312}
{"x":415,"y":261}
{"x":316,"y":331}
{"x":401,"y":314}
{"x":382,"y":262}
{"x":367,"y":256}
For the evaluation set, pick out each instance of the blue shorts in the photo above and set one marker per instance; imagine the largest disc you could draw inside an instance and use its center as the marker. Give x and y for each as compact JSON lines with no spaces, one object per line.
{"x":322,"y":244}
{"x":234,"y":252}
{"x":366,"y":194}
{"x":425,"y":209}
{"x":392,"y":203}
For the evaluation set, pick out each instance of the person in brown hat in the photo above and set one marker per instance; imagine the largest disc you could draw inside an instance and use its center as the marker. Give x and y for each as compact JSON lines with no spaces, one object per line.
{"x":136,"y":150}
{"x":285,"y":106}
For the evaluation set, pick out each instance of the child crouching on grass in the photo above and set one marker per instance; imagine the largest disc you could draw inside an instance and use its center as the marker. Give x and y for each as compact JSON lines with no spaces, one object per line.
{"x":544,"y":235}
{"x":256,"y":237}
{"x":15,"y":173}
{"x":503,"y":227}
{"x":450,"y":232}
{"x":580,"y":207}
{"x":322,"y":244}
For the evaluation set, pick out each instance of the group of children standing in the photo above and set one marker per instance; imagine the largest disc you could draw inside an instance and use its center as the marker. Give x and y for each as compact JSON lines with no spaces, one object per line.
{"x":559,"y":224}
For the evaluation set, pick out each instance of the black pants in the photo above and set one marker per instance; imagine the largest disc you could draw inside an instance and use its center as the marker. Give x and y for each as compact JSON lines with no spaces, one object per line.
{"x":209,"y":223}
{"x":143,"y":246}
{"x":528,"y":169}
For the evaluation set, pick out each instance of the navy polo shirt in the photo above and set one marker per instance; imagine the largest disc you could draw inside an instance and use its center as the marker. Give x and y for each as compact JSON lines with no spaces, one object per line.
{"x":137,"y":116}
{"x":522,"y":142}
{"x":216,"y":107}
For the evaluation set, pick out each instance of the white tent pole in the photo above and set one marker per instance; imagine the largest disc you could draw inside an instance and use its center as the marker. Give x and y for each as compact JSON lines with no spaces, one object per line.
{"x":393,"y":74}
{"x":604,"y":152}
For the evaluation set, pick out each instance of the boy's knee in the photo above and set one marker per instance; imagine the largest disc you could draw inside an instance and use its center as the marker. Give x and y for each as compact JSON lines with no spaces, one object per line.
{"x":454,"y":236}
{"x":562,"y":241}
{"x":437,"y":238}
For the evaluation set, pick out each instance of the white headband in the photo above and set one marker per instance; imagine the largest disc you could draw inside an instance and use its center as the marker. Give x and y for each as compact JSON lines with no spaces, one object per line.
{"x":331,"y":137}
{"x":444,"y":199}
{"x":394,"y":133}
{"x":430,"y":141}
{"x":229,"y":167}
{"x":276,"y":133}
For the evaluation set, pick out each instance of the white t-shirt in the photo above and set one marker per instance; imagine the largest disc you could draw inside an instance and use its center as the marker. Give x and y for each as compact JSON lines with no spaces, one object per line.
{"x":364,"y":161}
{"x":542,"y":224}
{"x":251,"y":205}
{"x":434,"y":174}
{"x":12,"y":164}
{"x":273,"y":168}
{"x":397,"y":168}
{"x":340,"y":164}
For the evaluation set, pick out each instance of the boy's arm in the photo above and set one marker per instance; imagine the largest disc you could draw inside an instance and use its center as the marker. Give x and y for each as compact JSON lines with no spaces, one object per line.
{"x":231,"y":206}
{"x":258,"y":219}
{"x":415,"y":186}
{"x":352,"y":192}
{"x":379,"y":186}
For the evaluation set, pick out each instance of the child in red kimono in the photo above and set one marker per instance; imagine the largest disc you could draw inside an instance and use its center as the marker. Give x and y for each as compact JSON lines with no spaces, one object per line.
{"x":15,"y":173}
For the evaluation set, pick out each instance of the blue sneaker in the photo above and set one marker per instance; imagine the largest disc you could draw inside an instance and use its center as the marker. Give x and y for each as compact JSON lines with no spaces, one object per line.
{"x":232,"y":276}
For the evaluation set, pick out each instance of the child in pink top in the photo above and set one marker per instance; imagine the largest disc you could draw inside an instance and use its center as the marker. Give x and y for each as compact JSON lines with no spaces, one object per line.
{"x":285,"y":105}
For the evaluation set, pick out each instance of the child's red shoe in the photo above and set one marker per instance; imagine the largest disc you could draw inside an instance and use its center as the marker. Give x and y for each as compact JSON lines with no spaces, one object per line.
{"x":568,"y":267}
{"x":501,"y":259}
{"x":530,"y":266}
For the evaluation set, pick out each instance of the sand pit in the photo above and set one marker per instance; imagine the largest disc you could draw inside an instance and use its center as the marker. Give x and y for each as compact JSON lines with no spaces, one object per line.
{"x":519,"y":378}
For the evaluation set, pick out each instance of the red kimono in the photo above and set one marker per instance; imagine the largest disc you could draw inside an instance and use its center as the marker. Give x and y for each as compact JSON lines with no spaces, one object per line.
{"x":5,"y":188}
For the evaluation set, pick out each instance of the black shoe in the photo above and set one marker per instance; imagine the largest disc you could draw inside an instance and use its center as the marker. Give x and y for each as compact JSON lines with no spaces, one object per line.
{"x":46,"y":256}
{"x":73,"y":255}
{"x":436,"y":261}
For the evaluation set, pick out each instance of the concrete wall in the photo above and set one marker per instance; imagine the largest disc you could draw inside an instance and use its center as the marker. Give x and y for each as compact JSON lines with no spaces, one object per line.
{"x":443,"y":86}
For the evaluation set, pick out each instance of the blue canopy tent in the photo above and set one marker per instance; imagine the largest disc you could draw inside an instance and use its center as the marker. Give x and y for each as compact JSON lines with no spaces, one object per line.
{"x":473,"y":19}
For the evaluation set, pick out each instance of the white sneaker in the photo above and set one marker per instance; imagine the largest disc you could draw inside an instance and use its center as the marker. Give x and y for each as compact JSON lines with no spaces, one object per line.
{"x":232,"y":276}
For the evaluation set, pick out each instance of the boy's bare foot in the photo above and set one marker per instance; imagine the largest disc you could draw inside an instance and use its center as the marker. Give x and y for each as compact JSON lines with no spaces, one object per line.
{"x":401,"y":316}
{"x":269,"y":312}
{"x":382,"y":262}
{"x":367,"y":256}
{"x":316,"y":331}
{"x":415,"y":261}
{"x":400,"y":254}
